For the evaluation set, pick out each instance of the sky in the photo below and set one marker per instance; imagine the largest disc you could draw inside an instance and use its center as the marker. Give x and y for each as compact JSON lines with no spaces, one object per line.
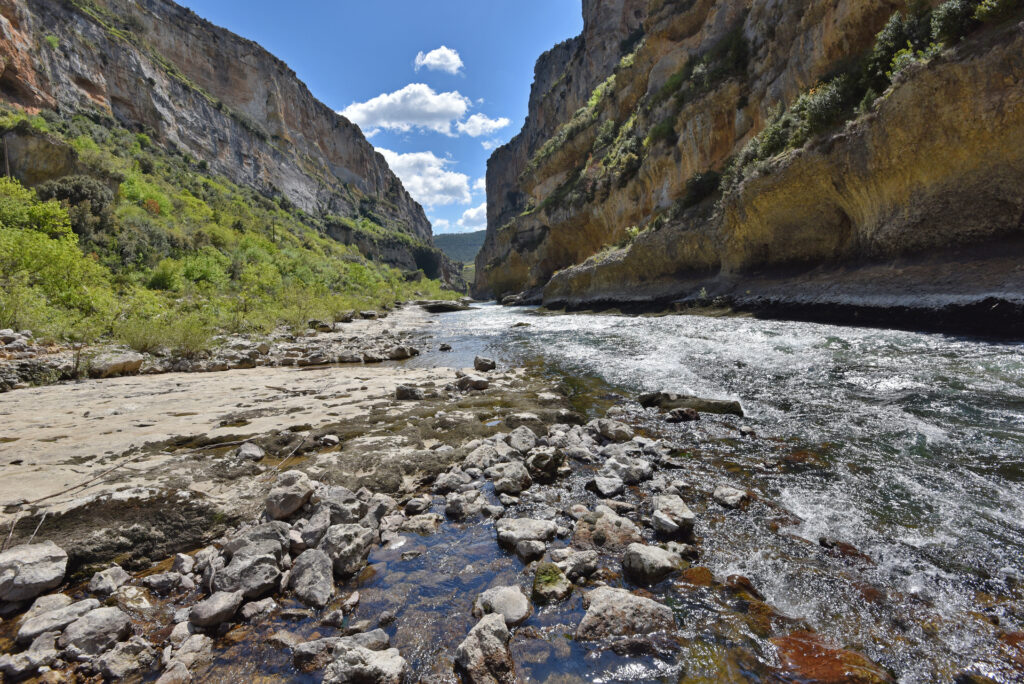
{"x":434,"y":84}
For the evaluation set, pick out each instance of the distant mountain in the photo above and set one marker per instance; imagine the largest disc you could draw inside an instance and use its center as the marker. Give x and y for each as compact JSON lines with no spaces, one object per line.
{"x":461,"y":246}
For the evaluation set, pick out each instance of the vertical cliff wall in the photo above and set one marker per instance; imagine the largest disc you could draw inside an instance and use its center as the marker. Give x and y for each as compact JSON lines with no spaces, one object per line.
{"x":612,"y":191}
{"x":158,"y":68}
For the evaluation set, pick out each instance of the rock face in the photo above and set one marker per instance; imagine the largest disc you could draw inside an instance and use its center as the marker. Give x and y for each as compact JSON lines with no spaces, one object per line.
{"x":616,"y":136}
{"x":31,"y":569}
{"x":156,"y":66}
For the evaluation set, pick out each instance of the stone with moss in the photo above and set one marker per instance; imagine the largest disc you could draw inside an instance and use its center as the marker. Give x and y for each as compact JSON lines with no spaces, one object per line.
{"x":550,"y":584}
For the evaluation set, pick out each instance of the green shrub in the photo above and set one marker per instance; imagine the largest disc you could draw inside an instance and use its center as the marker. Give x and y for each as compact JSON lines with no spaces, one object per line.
{"x":166,"y":276}
{"x":663,"y":131}
{"x":144,"y":335}
{"x":189,"y":336}
{"x":77,"y":189}
{"x":53,"y":41}
{"x":819,"y":108}
{"x":996,"y":10}
{"x":952,"y":20}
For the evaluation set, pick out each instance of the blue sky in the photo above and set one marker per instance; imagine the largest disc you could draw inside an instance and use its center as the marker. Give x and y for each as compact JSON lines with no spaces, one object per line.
{"x":434,"y":83}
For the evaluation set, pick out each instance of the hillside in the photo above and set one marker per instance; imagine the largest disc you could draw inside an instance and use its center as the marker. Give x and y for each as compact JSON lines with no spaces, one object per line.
{"x":850,"y":161}
{"x":461,"y":247}
{"x":185,"y":198}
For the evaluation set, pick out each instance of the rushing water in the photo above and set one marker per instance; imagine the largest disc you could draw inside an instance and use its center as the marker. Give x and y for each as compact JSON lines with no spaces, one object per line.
{"x":909,"y":447}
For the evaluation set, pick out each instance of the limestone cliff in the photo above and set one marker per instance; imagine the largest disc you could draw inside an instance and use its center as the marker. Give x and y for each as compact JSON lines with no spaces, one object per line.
{"x":158,"y":68}
{"x":914,"y":201}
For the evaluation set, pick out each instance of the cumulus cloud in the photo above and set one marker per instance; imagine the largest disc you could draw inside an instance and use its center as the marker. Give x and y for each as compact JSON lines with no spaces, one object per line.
{"x":480,"y":185}
{"x":427,"y":178}
{"x":479,"y":124}
{"x":416,"y":105}
{"x":491,"y":144}
{"x":442,"y":59}
{"x":441,"y":225}
{"x":475,"y":218}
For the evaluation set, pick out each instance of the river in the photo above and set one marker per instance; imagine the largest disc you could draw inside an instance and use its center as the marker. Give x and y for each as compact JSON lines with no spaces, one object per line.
{"x":907,"y":446}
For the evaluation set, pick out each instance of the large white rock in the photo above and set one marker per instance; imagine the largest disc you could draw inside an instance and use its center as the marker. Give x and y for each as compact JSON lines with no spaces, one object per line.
{"x":97,"y":631}
{"x":509,"y":602}
{"x":28,"y":570}
{"x":649,"y":564}
{"x":354,"y":664}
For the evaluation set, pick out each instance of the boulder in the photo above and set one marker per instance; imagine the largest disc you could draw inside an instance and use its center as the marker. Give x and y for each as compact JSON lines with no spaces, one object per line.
{"x":443,"y":306}
{"x":355,"y":664}
{"x":510,"y":478}
{"x":106,"y":582}
{"x":550,"y":584}
{"x":605,"y":529}
{"x":509,"y":602}
{"x":644,"y":564}
{"x":162,"y":582}
{"x":97,"y":631}
{"x":805,"y":656}
{"x":463,"y":506}
{"x":312,"y":578}
{"x":482,"y":364}
{"x":132,"y":657}
{"x":451,"y":481}
{"x":616,"y":612}
{"x":472,"y":382}
{"x":530,"y":550}
{"x":28,"y":570}
{"x":250,"y":452}
{"x":183,"y":564}
{"x":512,"y":531}
{"x":53,"y":620}
{"x":682,"y":415}
{"x":256,"y":609}
{"x":423,"y":524}
{"x":46,"y":603}
{"x":612,"y":430}
{"x":671,"y":516}
{"x":544,"y":462}
{"x":670,"y":400}
{"x":291,"y":491}
{"x":607,"y":487}
{"x":579,"y":565}
{"x":42,"y":653}
{"x":522,"y":439}
{"x":220,"y":607}
{"x":348,"y":546}
{"x":253,"y":571}
{"x":629,"y":470}
{"x":482,"y":457}
{"x":730,"y":497}
{"x":408,"y":393}
{"x":111,"y":364}
{"x":483,"y":656}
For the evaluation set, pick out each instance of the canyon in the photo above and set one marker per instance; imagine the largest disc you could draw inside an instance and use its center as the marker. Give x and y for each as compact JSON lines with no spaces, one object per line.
{"x":907,"y":211}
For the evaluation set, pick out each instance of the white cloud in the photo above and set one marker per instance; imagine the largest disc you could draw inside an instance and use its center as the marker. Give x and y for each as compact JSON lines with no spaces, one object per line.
{"x":475,"y":218}
{"x":441,"y":225}
{"x":479,"y":124}
{"x":480,"y":185}
{"x":427,"y":179}
{"x":441,"y":59}
{"x":416,"y":105}
{"x":491,"y":144}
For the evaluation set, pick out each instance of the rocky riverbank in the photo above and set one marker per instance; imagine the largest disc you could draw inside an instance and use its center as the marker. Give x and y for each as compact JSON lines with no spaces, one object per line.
{"x":387,"y":523}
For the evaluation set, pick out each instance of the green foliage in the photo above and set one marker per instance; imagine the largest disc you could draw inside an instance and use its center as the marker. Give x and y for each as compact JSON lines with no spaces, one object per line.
{"x":174,"y":254}
{"x":663,"y":131}
{"x":53,"y":41}
{"x":996,"y":10}
{"x":952,"y":20}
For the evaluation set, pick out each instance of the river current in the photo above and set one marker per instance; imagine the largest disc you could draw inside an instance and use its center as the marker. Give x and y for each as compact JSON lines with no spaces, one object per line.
{"x":904,"y":451}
